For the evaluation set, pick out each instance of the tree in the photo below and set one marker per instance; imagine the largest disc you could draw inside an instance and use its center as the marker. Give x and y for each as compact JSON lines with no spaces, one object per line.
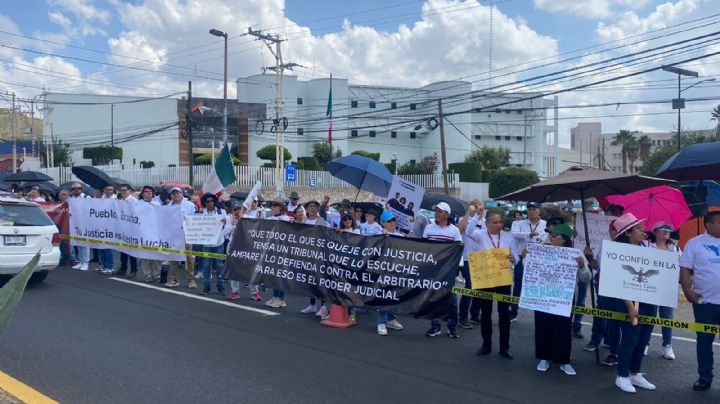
{"x":492,"y":158}
{"x":322,"y":152}
{"x":510,"y":180}
{"x":374,"y":156}
{"x":621,"y":139}
{"x":715,"y":114}
{"x":428,"y":165}
{"x":633,"y":150}
{"x":62,"y":157}
{"x":268,"y":153}
{"x":102,"y":155}
{"x":644,"y":147}
{"x":656,"y":159}
{"x":338,"y":153}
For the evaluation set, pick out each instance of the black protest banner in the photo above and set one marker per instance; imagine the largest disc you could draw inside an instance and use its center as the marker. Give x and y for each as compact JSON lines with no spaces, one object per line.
{"x":412,"y":276}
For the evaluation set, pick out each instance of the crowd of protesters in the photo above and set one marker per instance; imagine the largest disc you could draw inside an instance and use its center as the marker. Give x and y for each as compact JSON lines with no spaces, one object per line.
{"x":477,"y":230}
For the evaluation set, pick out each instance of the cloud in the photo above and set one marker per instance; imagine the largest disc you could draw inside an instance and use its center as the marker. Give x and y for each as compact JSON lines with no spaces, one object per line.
{"x":83,"y":9}
{"x":59,"y":19}
{"x":589,"y":9}
{"x":630,"y":23}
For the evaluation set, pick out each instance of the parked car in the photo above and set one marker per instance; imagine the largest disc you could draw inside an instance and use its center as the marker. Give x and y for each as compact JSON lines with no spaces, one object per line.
{"x":26,"y":229}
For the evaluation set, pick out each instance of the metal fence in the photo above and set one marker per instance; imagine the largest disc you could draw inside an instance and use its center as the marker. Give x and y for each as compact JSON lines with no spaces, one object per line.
{"x":246,"y":176}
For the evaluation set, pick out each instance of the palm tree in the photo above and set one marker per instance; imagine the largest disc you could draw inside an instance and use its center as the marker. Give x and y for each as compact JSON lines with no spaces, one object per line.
{"x":633,"y":151}
{"x":715,"y":113}
{"x":644,"y":148}
{"x":621,"y":139}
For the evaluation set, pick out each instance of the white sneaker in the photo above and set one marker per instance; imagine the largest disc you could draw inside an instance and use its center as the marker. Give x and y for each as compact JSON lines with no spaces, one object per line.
{"x":282,"y":303}
{"x":394,"y":325}
{"x":639,"y":381}
{"x":382,"y":330}
{"x":668,"y":352}
{"x":84,"y":267}
{"x":323,"y":312}
{"x":77,"y":266}
{"x":568,"y":369}
{"x":309,"y":309}
{"x":543,"y":366}
{"x":625,"y":384}
{"x":459,"y":279}
{"x":199,"y":275}
{"x":271,"y":302}
{"x":99,"y":269}
{"x":646,"y":350}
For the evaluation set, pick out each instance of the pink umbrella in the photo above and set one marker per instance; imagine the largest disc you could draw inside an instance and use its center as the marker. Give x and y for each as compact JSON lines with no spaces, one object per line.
{"x":657,"y":204}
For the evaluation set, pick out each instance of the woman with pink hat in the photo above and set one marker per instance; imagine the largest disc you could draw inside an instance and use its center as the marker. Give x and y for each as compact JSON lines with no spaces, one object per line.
{"x":634,"y":337}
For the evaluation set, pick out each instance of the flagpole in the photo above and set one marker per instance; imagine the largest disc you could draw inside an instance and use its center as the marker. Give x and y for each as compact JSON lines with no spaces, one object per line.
{"x":330,"y":112}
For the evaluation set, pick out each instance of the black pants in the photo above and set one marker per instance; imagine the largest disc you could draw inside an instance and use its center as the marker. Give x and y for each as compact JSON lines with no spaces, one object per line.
{"x":517,"y":285}
{"x":468,"y":304}
{"x":553,"y":341}
{"x":486,"y":307}
{"x":124,"y":263}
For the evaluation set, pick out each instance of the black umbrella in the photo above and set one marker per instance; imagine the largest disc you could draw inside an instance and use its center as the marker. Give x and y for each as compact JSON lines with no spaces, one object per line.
{"x":458,"y":206}
{"x":46,"y":187}
{"x":92,"y":176}
{"x":28,"y":176}
{"x":119,"y":181}
{"x":694,"y":163}
{"x":3,"y":175}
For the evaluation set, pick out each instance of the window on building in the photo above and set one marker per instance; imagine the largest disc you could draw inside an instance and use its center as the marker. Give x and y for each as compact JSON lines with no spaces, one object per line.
{"x":393,"y":134}
{"x":478,"y":137}
{"x":353,"y":104}
{"x":300,"y":131}
{"x":372,"y":104}
{"x":353,"y":133}
{"x":393,"y":105}
{"x":299,"y":101}
{"x":497,"y":137}
{"x":507,"y":137}
{"x":519,"y":112}
{"x":372,"y":133}
{"x":412,"y":135}
{"x":518,"y":138}
{"x":412,"y":162}
{"x":412,"y":107}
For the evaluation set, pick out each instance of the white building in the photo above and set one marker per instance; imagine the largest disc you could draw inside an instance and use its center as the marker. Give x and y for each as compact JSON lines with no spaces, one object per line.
{"x":401,"y":123}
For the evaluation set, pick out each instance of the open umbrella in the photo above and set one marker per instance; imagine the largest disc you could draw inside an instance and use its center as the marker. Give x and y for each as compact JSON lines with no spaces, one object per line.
{"x":117,"y":181}
{"x":363,"y":173}
{"x":696,"y":162}
{"x":458,"y":206}
{"x":46,"y":187}
{"x":92,"y":176}
{"x":657,"y":204}
{"x":86,"y":189}
{"x":27,"y":176}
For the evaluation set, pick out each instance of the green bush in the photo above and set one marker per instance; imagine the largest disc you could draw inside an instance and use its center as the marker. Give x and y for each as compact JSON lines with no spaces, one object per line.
{"x":206,"y":160}
{"x":510,"y":180}
{"x":102,"y":155}
{"x":268,"y":153}
{"x":308,"y":163}
{"x":469,"y":172}
{"x":487,"y":175}
{"x":374,"y":156}
{"x":147,"y":164}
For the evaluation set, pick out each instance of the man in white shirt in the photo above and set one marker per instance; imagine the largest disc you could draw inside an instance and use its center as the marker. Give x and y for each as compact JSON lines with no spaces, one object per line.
{"x":34,"y":194}
{"x":700,"y":280}
{"x":278,"y":213}
{"x":83,"y":253}
{"x":150,"y":268}
{"x":442,"y":230}
{"x":107,"y":259}
{"x":370,"y":227}
{"x":125,"y":194}
{"x":473,"y":220}
{"x":530,"y":230}
{"x":294,"y":203}
{"x":177,"y":201}
{"x":312,"y":214}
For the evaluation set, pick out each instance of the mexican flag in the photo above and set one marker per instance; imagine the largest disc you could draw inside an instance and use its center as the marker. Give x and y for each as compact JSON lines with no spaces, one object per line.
{"x":222,"y":173}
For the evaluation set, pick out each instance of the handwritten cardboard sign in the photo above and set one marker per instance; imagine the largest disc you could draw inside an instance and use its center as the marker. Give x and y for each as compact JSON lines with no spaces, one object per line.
{"x":490,"y":268}
{"x":549,"y":279}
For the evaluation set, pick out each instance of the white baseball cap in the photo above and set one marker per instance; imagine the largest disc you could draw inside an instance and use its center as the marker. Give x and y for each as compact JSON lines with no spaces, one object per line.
{"x":443,"y":206}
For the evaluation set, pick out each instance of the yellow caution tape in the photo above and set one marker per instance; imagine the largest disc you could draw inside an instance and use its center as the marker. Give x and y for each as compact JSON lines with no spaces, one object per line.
{"x":144,"y":248}
{"x":609,"y":314}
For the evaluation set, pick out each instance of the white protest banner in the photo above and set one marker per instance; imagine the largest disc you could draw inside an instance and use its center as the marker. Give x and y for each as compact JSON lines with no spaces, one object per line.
{"x":598,"y":230}
{"x":549,"y":279}
{"x":118,"y":221}
{"x":202,"y":229}
{"x":403,"y":201}
{"x":642,"y":274}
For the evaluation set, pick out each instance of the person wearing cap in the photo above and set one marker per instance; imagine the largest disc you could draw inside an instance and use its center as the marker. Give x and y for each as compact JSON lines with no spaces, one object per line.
{"x":211,"y":207}
{"x":442,"y":230}
{"x":553,"y":342}
{"x":474,"y":219}
{"x":488,"y":237}
{"x":178,"y":201}
{"x":370,"y":227}
{"x":659,"y":237}
{"x":530,"y":230}
{"x":278,"y":213}
{"x":347,"y":223}
{"x":700,"y":280}
{"x":312,"y":218}
{"x":633,"y":337}
{"x":312,"y":214}
{"x":238,"y":212}
{"x":294,"y":203}
{"x":385,"y":318}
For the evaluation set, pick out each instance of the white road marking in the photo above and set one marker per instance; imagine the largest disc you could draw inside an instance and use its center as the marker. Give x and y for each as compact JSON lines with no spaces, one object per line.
{"x":674,"y":337}
{"x":193,"y":296}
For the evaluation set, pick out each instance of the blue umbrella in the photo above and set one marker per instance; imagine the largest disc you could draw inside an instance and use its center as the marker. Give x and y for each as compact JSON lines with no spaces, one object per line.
{"x":362,"y":172}
{"x":696,"y":162}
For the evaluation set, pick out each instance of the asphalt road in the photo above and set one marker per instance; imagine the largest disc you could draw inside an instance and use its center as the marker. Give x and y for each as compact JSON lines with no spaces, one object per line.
{"x":83,"y":338}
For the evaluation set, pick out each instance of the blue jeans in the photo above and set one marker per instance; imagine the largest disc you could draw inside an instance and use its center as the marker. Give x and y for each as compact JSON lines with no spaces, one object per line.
{"x":633,"y":340}
{"x":452,"y":322}
{"x":83,"y":254}
{"x":666,"y":312}
{"x":208,"y":264}
{"x":106,"y":258}
{"x":582,"y":289}
{"x":517,"y":286}
{"x":278,"y":293}
{"x":384,"y":316}
{"x":468,"y":305}
{"x":706,"y":313}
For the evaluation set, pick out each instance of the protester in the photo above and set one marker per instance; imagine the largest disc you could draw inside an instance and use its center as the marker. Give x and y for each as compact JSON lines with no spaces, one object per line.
{"x":700,"y":280}
{"x":178,"y":201}
{"x":254,"y":212}
{"x":530,"y":230}
{"x":442,"y":230}
{"x":553,"y":341}
{"x":278,"y":209}
{"x":659,"y":238}
{"x":210,"y":207}
{"x":370,"y":227}
{"x":107,"y":254}
{"x":312,"y":218}
{"x":125,"y":194}
{"x":474,"y":219}
{"x":238,"y":212}
{"x":150,"y":268}
{"x":348,"y":224}
{"x":34,"y":195}
{"x":294,"y":203}
{"x":83,"y":253}
{"x":492,"y":236}
{"x":385,"y":318}
{"x":63,"y":195}
{"x":359,"y":216}
{"x":633,"y":337}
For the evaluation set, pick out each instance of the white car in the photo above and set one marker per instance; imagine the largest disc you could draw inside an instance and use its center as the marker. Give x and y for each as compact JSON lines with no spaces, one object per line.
{"x":26,"y":229}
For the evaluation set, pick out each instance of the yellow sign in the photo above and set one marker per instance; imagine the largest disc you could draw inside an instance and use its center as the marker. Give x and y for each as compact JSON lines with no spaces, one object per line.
{"x":490,"y":268}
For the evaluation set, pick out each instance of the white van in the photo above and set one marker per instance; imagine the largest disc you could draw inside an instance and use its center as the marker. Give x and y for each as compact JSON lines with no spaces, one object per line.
{"x":26,"y":229}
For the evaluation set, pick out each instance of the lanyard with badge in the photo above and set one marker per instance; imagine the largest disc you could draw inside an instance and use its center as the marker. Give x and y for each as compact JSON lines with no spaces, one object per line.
{"x":492,"y":241}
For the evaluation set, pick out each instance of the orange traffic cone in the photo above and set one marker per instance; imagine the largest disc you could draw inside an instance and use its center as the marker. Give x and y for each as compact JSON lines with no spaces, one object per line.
{"x":338,"y":317}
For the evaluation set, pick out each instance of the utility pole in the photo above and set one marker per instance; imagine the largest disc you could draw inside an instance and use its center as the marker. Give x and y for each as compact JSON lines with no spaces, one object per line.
{"x":188,"y":131}
{"x":442,"y":147}
{"x":112,"y":132}
{"x":279,"y":120}
{"x":14,"y":137}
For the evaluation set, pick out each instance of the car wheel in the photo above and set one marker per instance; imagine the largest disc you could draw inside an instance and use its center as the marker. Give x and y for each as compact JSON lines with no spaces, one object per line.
{"x":38,"y":276}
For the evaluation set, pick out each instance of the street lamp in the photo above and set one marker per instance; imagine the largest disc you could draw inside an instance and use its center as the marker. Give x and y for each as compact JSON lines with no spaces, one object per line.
{"x":225,"y":109}
{"x":679,"y":102}
{"x":395,"y":159}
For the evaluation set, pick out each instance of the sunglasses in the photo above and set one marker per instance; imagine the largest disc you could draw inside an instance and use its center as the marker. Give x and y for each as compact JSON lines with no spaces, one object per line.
{"x":75,"y":189}
{"x":345,"y":219}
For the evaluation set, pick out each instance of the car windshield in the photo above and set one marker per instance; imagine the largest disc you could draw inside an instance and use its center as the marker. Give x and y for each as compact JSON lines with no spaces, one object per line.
{"x":23,"y":215}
